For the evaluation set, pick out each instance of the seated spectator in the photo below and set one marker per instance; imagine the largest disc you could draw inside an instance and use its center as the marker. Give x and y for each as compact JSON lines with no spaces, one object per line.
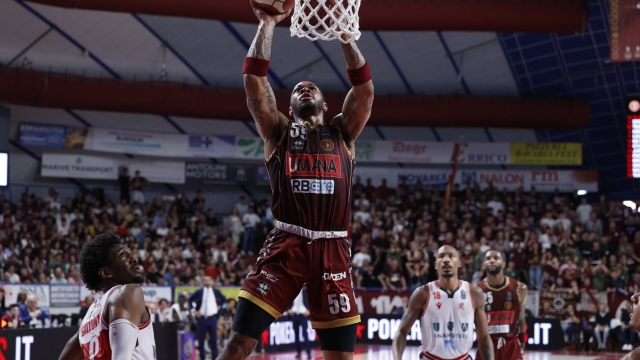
{"x":225,"y":320}
{"x":601,"y":331}
{"x":361,"y":256}
{"x":12,"y":318}
{"x":58,"y":277}
{"x":31,"y":314}
{"x":368,"y":279}
{"x":614,"y":283}
{"x":570,"y":325}
{"x":626,"y":334}
{"x":88,"y":301}
{"x":392,"y":277}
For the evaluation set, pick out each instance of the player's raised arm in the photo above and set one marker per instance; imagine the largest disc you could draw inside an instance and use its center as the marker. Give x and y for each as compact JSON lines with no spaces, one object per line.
{"x":356,"y":109}
{"x":413,"y":312}
{"x":523,"y":292}
{"x":125,"y":311}
{"x":485,"y":345}
{"x":260,"y":97}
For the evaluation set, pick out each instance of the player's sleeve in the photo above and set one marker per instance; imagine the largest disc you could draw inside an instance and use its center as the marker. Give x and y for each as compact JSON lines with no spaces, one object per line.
{"x":123,"y":336}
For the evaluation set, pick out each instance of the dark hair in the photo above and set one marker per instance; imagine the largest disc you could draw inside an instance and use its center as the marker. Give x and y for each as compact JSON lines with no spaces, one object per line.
{"x":13,"y":306}
{"x":94,"y":256}
{"x":163,"y":300}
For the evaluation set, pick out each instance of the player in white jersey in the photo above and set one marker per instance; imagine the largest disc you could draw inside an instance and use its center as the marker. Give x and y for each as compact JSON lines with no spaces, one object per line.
{"x":118,"y":326}
{"x":447,"y":309}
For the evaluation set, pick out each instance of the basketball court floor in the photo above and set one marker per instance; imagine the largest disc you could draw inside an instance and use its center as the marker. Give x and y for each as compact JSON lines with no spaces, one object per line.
{"x":383,"y":352}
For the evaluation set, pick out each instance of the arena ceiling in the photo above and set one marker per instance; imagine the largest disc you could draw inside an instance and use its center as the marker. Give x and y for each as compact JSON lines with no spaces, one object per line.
{"x":194,"y":51}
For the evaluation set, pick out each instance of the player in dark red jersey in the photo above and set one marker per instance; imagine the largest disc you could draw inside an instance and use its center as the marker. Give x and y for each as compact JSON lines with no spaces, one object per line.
{"x":310,"y":163}
{"x":505,"y":300}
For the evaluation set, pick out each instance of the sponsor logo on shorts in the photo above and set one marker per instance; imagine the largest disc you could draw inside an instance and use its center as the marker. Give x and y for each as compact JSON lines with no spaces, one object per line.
{"x":500,"y":317}
{"x":297,"y":145}
{"x":334,"y":277}
{"x":312,"y":186}
{"x":269,"y":276}
{"x":326,"y":144}
{"x":498,"y":329}
{"x":313,"y":165}
{"x":263,"y":288}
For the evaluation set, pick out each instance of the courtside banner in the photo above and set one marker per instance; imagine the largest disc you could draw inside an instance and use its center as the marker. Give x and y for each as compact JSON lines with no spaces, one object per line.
{"x":546,"y":153}
{"x":11,"y":292}
{"x":105,"y":168}
{"x":158,"y":144}
{"x":542,"y":180}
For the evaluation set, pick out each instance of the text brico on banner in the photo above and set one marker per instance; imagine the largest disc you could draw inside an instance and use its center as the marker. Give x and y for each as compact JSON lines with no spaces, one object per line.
{"x":542,"y":180}
{"x":103,"y":168}
{"x":236,"y":147}
{"x":546,"y":153}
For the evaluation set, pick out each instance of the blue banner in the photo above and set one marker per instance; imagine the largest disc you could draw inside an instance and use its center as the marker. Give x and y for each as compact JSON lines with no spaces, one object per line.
{"x":52,"y":136}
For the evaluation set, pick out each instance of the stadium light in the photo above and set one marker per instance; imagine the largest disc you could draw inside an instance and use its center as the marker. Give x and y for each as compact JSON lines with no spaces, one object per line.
{"x":630,"y":204}
{"x":582,"y":192}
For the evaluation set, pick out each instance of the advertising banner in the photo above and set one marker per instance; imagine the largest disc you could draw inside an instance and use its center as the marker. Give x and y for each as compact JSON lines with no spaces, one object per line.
{"x":104,"y":168}
{"x":542,"y":180}
{"x":546,"y":153}
{"x":187,"y":346}
{"x":155,"y":293}
{"x":557,"y":302}
{"x":280,"y":336}
{"x":65,"y":295}
{"x":52,"y":136}
{"x":79,"y":167}
{"x":11,"y":292}
{"x":249,"y":148}
{"x":378,"y":302}
{"x":208,"y":173}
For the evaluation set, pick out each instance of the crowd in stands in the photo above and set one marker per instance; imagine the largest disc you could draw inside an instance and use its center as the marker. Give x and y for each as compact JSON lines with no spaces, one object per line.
{"x":550,"y":241}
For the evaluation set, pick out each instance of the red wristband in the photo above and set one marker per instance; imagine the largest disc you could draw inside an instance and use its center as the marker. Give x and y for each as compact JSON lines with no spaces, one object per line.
{"x":523,"y":337}
{"x":359,"y":76}
{"x":255,"y":66}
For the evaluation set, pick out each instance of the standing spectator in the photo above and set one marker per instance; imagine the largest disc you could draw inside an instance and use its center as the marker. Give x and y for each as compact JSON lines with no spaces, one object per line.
{"x":138,"y":185}
{"x":583,"y":211}
{"x":235,"y":225}
{"x":242,"y":206}
{"x":299,"y":314}
{"x":249,"y":220}
{"x":207,"y":302}
{"x":179,"y":312}
{"x":31,"y":314}
{"x":124,"y":183}
{"x":603,"y":319}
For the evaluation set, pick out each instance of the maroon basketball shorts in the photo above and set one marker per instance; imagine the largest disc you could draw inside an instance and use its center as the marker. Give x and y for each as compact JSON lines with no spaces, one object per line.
{"x":505,"y":349}
{"x":287,"y":262}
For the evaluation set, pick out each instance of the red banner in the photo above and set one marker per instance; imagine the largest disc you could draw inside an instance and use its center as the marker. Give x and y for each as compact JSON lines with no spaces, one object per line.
{"x":378,"y":302}
{"x":625,"y":30}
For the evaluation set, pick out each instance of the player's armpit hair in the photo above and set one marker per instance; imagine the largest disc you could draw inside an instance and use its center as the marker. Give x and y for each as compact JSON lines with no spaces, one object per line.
{"x":94,"y":256}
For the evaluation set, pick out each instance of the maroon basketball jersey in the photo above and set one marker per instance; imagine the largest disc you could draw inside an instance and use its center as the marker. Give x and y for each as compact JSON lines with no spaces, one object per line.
{"x":310,"y":172}
{"x":502,"y":307}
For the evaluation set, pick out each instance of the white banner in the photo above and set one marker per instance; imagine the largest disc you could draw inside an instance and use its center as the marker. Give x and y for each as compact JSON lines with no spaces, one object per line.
{"x":79,"y":166}
{"x":542,"y":180}
{"x":157,"y":144}
{"x":155,"y":293}
{"x":424,"y":152}
{"x":103,"y":168}
{"x":11,"y":292}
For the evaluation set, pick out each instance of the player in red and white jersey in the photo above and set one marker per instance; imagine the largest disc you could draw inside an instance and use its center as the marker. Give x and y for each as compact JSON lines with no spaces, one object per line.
{"x":118,"y":326}
{"x":447,"y":309}
{"x":505,"y":299}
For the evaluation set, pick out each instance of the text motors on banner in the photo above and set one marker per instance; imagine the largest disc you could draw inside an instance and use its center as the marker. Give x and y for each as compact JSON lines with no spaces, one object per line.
{"x":104,"y":168}
{"x":542,"y":180}
{"x":546,"y":153}
{"x":65,"y":295}
{"x":11,"y":292}
{"x":208,"y":173}
{"x":157,"y":144}
{"x":52,"y":136}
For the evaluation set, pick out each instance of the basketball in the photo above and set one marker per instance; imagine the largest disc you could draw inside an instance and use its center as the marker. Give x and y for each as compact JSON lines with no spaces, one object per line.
{"x":275,"y":6}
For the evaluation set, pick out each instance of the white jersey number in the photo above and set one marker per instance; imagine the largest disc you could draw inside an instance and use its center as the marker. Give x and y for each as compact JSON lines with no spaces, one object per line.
{"x":344,"y":304}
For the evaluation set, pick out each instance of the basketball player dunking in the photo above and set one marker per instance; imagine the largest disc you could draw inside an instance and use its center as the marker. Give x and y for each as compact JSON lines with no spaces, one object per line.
{"x":310,"y":163}
{"x":118,"y":326}
{"x":447,"y":309}
{"x":505,"y":299}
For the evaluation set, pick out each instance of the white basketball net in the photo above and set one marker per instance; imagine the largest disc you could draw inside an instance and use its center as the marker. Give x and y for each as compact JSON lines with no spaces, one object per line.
{"x":324,"y":20}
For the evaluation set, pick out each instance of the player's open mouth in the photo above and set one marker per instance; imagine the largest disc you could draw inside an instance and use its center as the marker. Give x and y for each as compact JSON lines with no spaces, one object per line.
{"x":306,"y":97}
{"x":137,"y":268}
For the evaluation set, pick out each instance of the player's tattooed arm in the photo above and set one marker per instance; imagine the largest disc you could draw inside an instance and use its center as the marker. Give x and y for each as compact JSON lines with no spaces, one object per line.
{"x":485,"y":345}
{"x":261,"y":46}
{"x":239,"y":347}
{"x":522,"y":298}
{"x":414,"y":310}
{"x":352,"y":54}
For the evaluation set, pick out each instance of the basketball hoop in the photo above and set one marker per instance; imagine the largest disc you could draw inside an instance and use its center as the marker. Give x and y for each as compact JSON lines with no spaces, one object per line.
{"x":326,"y":19}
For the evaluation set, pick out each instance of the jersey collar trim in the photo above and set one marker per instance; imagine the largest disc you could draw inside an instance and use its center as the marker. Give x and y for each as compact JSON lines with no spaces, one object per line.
{"x":506,"y":283}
